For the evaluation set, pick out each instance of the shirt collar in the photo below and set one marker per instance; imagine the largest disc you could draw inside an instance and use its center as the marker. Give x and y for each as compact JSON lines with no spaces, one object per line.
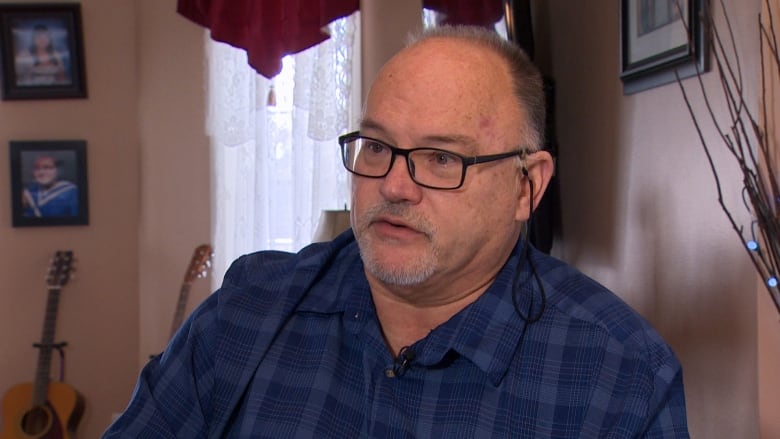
{"x":487,"y":332}
{"x":332,"y":293}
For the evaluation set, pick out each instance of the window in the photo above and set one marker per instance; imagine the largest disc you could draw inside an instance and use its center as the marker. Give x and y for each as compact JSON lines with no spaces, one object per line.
{"x":275,"y":155}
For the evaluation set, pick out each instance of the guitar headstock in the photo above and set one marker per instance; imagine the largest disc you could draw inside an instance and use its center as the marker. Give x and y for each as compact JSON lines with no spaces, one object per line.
{"x":200,"y":263}
{"x":60,"y":269}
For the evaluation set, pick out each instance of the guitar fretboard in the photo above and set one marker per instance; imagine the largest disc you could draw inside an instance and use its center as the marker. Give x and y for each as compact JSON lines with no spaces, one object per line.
{"x":197,"y":268}
{"x":46,"y":346}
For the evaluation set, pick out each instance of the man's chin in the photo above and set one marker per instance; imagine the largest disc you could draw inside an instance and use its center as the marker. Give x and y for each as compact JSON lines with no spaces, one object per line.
{"x":396,"y":265}
{"x":399,"y":276}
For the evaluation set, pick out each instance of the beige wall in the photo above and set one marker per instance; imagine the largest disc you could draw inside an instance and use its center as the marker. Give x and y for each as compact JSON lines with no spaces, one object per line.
{"x":768,"y":322}
{"x":639,"y":205}
{"x":175,"y":214}
{"x":385,"y":26}
{"x":149,"y":190}
{"x":98,"y":313}
{"x":640,"y":210}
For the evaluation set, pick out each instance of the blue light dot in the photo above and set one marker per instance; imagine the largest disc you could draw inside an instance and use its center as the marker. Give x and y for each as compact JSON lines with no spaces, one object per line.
{"x":752,"y":245}
{"x":772,"y":281}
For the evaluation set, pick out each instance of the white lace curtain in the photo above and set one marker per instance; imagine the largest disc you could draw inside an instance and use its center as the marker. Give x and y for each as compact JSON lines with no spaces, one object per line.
{"x":276,"y":167}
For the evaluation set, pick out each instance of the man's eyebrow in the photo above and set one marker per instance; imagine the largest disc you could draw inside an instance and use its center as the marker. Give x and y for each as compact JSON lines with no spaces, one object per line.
{"x":370,"y":124}
{"x":467,"y":142}
{"x":458,"y":139}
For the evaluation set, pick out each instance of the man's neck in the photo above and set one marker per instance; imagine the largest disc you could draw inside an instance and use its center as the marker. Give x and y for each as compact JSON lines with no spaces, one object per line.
{"x":404,"y":322}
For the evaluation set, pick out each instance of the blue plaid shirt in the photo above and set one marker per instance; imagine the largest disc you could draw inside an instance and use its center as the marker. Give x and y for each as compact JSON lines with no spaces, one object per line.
{"x":290,"y":347}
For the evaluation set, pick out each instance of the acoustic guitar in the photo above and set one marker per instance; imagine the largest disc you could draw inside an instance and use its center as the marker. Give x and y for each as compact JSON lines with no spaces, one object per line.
{"x":45,"y":409}
{"x":198,"y":268}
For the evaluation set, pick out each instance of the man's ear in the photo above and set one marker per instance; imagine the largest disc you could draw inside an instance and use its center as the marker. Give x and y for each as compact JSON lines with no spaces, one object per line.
{"x":537,"y":167}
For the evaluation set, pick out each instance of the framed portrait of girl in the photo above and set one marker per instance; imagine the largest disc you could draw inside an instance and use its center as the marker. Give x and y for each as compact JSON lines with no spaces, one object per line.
{"x":42,"y":51}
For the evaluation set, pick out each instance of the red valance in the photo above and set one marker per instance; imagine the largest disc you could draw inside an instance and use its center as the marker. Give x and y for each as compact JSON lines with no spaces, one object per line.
{"x":270,"y":29}
{"x":267,"y":29}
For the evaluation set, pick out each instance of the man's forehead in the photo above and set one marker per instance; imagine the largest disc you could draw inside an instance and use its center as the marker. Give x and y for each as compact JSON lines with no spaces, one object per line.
{"x":445,"y":50}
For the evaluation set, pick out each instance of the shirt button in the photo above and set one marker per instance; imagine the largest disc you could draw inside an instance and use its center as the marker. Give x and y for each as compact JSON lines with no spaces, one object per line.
{"x":389,"y":372}
{"x":356,"y":316}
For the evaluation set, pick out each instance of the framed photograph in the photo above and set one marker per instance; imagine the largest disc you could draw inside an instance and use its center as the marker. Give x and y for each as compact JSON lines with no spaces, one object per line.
{"x":49,"y":183}
{"x":660,"y":38}
{"x":42,"y":51}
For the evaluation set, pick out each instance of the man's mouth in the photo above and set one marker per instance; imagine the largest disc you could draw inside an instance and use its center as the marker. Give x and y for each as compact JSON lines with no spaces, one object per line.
{"x":394,"y":228}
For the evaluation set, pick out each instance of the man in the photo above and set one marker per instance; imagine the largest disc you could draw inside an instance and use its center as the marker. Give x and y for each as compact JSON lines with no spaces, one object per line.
{"x":435,"y":320}
{"x":47,"y":195}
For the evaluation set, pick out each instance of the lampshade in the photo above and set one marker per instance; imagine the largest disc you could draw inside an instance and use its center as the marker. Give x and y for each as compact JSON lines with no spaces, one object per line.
{"x":332,"y":223}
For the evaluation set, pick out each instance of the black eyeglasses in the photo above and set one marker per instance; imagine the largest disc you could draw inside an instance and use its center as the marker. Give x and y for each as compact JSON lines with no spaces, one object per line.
{"x":429,"y":167}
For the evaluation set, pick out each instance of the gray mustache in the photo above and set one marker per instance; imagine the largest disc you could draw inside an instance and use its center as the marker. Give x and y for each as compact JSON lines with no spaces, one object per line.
{"x":401,"y":211}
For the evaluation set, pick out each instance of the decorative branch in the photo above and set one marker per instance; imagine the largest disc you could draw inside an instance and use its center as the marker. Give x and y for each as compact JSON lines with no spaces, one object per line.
{"x":747,"y":140}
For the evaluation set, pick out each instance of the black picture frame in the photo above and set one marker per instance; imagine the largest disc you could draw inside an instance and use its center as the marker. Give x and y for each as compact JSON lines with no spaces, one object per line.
{"x":55,"y":70}
{"x":65,"y":203}
{"x":661,"y":39}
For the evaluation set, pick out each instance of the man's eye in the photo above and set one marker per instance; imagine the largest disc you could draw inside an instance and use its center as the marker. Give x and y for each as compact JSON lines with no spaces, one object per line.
{"x":442,"y":158}
{"x":375,"y":147}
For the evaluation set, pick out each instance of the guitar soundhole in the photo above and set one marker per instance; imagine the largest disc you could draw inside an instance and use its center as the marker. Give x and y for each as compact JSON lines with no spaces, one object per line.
{"x":36,"y":421}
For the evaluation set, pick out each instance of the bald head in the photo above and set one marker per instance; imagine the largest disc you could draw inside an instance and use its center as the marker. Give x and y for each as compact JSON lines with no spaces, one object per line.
{"x":496,"y":68}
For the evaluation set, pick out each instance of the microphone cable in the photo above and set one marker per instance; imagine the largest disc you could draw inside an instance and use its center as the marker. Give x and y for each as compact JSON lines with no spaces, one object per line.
{"x":526,"y":256}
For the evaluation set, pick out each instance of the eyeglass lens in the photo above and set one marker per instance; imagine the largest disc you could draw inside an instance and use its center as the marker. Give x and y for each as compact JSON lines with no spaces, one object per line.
{"x":427,"y":166}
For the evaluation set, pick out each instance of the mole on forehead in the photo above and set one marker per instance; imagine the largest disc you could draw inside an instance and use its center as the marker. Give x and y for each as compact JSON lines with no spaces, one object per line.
{"x":486,"y":121}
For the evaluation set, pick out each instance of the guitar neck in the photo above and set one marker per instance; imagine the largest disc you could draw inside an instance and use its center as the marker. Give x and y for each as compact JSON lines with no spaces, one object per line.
{"x":198,"y":267}
{"x":43,"y":369}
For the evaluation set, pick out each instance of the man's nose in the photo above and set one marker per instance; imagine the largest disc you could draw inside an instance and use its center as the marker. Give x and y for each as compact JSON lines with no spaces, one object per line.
{"x":398,"y":184}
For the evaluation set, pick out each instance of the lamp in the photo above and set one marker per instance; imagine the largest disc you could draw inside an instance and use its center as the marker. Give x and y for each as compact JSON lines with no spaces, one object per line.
{"x":331,"y":224}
